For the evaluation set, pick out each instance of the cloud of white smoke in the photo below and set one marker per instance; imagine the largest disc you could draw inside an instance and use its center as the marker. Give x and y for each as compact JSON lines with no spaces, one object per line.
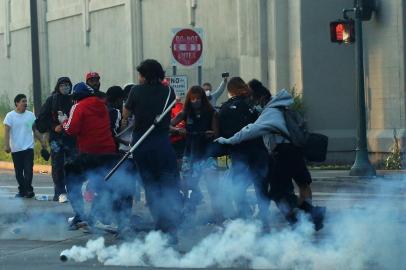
{"x":368,"y":236}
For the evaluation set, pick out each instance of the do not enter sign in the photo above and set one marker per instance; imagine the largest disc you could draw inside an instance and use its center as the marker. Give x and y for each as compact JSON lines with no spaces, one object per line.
{"x":187,"y":46}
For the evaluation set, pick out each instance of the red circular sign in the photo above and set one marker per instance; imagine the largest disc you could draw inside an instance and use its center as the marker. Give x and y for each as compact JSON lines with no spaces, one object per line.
{"x":187,"y":47}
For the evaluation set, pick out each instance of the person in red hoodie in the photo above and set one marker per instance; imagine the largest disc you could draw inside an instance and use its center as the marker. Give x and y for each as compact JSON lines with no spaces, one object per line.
{"x":89,"y":123}
{"x":178,"y":132}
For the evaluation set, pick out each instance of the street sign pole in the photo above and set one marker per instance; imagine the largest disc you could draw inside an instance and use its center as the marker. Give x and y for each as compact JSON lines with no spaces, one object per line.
{"x":361,"y":166}
{"x":187,"y":48}
{"x":199,"y":75}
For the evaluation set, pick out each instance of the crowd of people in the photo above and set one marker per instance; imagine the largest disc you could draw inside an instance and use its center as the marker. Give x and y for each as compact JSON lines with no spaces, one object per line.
{"x":90,"y":130}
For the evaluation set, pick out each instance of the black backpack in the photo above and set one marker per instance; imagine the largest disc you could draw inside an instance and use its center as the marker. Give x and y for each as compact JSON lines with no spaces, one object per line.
{"x":234,"y":115}
{"x":296,"y":126}
{"x":314,"y":145}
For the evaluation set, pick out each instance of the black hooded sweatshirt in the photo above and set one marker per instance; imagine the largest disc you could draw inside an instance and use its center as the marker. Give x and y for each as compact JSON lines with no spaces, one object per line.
{"x":48,"y":117}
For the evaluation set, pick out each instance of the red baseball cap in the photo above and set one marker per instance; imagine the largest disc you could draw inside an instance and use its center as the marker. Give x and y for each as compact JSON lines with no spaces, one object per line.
{"x":92,"y":74}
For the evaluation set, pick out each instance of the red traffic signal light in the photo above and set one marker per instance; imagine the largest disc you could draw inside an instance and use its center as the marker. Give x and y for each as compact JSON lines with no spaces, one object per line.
{"x":342,"y":31}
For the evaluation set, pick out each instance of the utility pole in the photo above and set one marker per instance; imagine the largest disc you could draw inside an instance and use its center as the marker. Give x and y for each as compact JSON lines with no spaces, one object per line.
{"x":35,"y":62}
{"x":361,"y":166}
{"x":342,"y":31}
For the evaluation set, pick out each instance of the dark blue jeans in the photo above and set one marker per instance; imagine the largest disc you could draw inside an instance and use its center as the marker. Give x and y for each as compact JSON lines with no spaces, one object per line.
{"x":23,"y":164}
{"x":156,"y":161}
{"x":114,"y":196}
{"x":62,"y":150}
{"x":249,"y":166}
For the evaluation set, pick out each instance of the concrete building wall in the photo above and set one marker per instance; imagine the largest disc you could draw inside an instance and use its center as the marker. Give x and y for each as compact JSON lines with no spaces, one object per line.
{"x":88,"y":46}
{"x":284,"y":43}
{"x":220,"y":42}
{"x":279,"y":68}
{"x":329,"y":89}
{"x":106,"y":53}
{"x":15,"y":52}
{"x":384,"y":40}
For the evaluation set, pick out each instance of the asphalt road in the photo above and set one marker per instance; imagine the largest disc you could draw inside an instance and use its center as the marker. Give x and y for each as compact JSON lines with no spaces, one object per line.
{"x":33,"y":233}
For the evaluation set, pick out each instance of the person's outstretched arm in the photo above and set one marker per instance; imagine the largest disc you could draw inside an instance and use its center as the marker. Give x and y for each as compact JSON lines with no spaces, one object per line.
{"x":219,"y":91}
{"x":266,"y":123}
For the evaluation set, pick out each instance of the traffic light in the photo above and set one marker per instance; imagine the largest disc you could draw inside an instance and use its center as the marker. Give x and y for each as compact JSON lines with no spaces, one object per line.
{"x":342,"y":31}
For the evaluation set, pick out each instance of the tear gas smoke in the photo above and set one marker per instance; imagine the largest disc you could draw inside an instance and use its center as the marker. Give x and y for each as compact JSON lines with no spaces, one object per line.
{"x":368,"y":235}
{"x":20,"y":219}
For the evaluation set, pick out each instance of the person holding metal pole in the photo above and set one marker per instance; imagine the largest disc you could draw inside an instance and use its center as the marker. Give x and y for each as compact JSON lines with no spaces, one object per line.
{"x":155,"y":157}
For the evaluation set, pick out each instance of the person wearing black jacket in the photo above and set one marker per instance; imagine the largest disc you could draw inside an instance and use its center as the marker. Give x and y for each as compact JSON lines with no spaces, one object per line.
{"x":249,"y":158}
{"x":115,"y":96}
{"x":62,"y":146}
{"x":155,"y":157}
{"x":200,"y":130}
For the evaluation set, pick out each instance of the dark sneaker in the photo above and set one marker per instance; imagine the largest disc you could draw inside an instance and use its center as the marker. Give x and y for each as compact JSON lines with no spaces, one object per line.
{"x":318,"y":215}
{"x":291,"y":217}
{"x":73,"y":227}
{"x":55,"y":198}
{"x":30,"y":194}
{"x":126,"y":234}
{"x":172,"y":239}
{"x":19,"y":195}
{"x":75,"y":223}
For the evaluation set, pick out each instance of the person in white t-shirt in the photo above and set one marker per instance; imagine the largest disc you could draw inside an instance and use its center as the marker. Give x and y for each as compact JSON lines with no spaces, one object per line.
{"x":19,"y":141}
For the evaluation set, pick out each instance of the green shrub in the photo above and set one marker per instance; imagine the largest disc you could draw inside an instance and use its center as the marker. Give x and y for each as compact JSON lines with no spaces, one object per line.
{"x":394,"y":160}
{"x":298,"y":104}
{"x":5,"y":105}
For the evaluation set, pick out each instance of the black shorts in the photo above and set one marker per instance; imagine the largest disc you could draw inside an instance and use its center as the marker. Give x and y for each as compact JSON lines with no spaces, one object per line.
{"x":287,"y":164}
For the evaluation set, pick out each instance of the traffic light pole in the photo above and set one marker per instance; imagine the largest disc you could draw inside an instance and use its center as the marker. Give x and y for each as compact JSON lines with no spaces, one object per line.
{"x":361,"y":166}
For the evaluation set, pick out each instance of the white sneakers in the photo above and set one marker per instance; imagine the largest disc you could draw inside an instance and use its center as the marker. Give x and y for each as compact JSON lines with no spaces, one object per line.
{"x":63,"y":198}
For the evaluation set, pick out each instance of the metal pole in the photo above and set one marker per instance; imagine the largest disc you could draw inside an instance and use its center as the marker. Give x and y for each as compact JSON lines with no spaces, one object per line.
{"x":36,"y":72}
{"x":158,"y":119}
{"x":199,"y":75}
{"x":174,"y":70}
{"x":361,"y":166}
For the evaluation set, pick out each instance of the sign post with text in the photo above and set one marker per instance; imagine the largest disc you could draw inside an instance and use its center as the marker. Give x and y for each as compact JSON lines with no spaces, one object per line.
{"x":179,"y":84}
{"x":187,"y":49}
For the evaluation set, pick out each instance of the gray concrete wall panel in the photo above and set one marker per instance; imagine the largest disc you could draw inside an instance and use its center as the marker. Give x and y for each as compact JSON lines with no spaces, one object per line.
{"x":15,"y":72}
{"x":292,"y":50}
{"x":384,"y":69}
{"x":107,"y":53}
{"x":328,"y":75}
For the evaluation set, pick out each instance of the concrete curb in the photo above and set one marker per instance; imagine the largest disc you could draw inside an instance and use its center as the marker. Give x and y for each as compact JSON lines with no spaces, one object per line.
{"x":44,"y":169}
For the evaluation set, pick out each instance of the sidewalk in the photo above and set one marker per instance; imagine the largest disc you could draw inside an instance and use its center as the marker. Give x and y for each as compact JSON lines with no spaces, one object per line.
{"x":344,"y":175}
{"x":44,"y":169}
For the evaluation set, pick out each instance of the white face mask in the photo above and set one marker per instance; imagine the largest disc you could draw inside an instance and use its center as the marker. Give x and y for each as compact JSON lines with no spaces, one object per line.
{"x":207,"y":92}
{"x":65,"y":89}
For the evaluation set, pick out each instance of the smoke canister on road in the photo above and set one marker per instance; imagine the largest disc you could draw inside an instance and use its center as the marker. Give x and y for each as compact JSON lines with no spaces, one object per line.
{"x":63,"y":257}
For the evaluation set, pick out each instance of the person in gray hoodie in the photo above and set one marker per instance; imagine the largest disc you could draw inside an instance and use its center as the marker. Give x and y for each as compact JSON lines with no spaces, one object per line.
{"x":287,"y":160}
